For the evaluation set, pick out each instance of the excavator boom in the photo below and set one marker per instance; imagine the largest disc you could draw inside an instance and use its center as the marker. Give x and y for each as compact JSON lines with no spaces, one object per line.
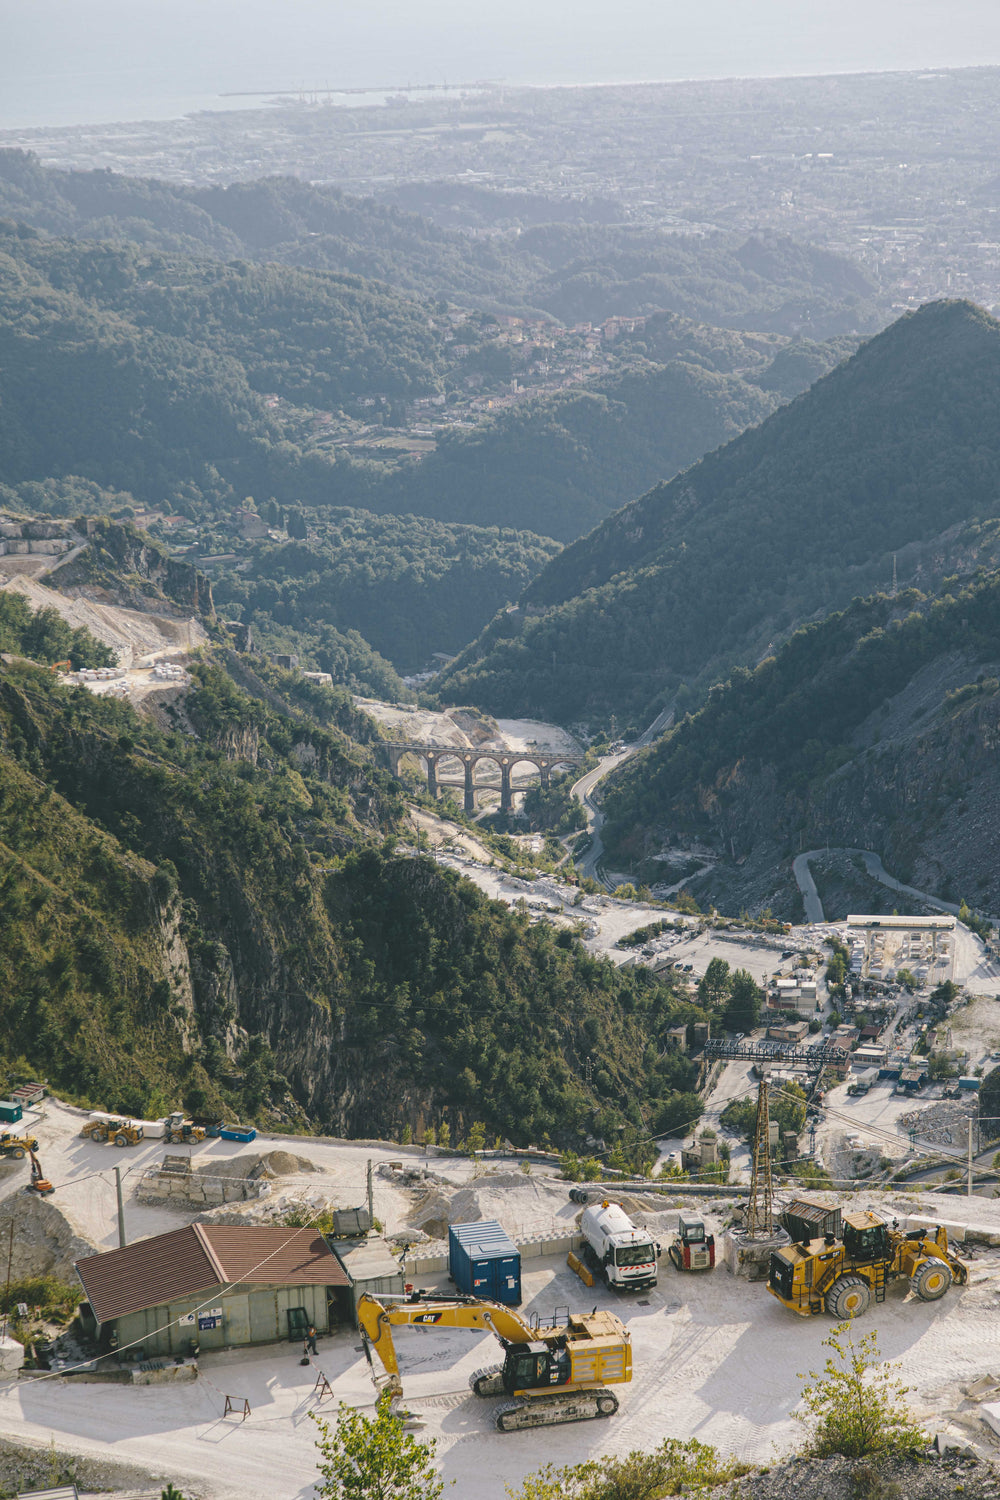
{"x":377,"y":1320}
{"x":556,"y":1373}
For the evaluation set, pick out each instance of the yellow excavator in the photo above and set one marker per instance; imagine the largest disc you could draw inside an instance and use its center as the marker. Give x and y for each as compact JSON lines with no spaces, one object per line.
{"x":843,"y":1277}
{"x":552,"y":1373}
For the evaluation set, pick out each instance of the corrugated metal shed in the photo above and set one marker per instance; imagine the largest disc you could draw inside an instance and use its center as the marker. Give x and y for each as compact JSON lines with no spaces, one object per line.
{"x":371,"y":1267}
{"x":158,"y":1271}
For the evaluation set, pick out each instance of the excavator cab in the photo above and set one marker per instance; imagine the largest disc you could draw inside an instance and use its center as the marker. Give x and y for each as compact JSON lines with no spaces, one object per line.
{"x":532,"y":1367}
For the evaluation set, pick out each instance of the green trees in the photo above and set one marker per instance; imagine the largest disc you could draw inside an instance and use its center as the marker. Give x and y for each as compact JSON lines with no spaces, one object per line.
{"x":374,"y":1458}
{"x":715,"y":985}
{"x":742,"y":1011}
{"x":855,"y":1405}
{"x":45,"y":636}
{"x":409,"y":585}
{"x":787,"y":1107}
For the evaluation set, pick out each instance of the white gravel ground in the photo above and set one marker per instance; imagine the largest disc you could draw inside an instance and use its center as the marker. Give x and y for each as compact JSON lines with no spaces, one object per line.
{"x":714,"y":1357}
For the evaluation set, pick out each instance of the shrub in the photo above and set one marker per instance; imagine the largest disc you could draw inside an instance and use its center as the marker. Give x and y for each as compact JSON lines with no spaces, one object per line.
{"x":857,"y":1404}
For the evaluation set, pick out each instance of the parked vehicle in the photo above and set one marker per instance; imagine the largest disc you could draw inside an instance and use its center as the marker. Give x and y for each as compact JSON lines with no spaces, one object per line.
{"x":692,"y":1249}
{"x":622,"y":1255}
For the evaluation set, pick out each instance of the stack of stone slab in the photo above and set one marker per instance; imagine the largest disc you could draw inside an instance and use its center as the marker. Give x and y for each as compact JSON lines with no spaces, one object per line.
{"x":174,"y":1181}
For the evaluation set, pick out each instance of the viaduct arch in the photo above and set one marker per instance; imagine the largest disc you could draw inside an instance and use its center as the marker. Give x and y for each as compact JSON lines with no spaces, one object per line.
{"x":432,"y":755}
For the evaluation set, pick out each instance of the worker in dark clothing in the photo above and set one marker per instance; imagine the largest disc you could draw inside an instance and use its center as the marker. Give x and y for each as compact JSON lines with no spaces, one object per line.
{"x":311,"y":1340}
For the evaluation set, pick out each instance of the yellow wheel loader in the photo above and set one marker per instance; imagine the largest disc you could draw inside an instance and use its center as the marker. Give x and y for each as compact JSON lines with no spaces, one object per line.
{"x":844,"y":1277}
{"x":181,"y":1132}
{"x":17,"y":1146}
{"x":552,"y":1373}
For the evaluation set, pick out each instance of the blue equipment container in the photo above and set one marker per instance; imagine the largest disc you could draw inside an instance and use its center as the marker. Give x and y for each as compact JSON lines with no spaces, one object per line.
{"x":238,"y":1135}
{"x":484,"y":1262}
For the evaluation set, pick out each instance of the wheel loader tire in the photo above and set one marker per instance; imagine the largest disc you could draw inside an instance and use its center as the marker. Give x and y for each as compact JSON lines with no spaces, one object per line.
{"x":849,"y":1297}
{"x":18,"y":1153}
{"x":931,"y":1279}
{"x":121,"y":1140}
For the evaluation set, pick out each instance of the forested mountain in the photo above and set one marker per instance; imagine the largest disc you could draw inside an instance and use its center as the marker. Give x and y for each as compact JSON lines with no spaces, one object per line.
{"x":411,"y":586}
{"x":792,"y":518}
{"x":211,"y":916}
{"x":146,"y":371}
{"x":571,"y":271}
{"x":561,"y":465}
{"x":874,"y":729}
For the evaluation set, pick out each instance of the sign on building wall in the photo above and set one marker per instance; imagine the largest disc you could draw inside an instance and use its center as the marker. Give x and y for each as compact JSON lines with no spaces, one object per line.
{"x":210,"y":1318}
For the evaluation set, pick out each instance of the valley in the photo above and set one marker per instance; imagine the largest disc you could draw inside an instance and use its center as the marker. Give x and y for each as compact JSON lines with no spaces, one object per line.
{"x":499,"y":710}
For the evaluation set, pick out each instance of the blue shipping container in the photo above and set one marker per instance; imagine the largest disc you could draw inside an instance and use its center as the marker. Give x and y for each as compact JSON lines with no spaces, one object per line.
{"x":238,"y":1135}
{"x":484,"y":1262}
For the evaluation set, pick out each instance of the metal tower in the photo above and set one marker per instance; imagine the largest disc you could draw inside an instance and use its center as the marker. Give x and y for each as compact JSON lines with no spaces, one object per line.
{"x":759,"y":1218}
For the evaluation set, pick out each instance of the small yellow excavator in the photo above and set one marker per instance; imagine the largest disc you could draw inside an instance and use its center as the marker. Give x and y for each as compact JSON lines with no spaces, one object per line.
{"x":843,"y":1277}
{"x":552,"y":1373}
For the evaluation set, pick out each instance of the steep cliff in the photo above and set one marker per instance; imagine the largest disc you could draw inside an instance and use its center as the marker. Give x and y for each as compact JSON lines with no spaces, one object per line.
{"x":210,"y":916}
{"x":876,"y":729}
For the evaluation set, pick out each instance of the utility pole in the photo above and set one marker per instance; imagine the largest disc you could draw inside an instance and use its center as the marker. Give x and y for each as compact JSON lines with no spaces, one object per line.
{"x":121,"y":1209}
{"x":969,"y":1189}
{"x":371,"y":1199}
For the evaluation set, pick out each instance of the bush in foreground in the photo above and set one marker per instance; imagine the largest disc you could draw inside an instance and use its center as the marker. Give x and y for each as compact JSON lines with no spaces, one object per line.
{"x":673,"y":1468}
{"x":857,"y":1405}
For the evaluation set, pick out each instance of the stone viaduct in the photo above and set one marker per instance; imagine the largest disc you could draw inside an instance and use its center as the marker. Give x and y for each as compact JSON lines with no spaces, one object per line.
{"x":504,"y":760}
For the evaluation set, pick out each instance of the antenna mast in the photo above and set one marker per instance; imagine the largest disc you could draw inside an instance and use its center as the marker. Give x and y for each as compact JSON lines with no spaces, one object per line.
{"x":759,"y":1218}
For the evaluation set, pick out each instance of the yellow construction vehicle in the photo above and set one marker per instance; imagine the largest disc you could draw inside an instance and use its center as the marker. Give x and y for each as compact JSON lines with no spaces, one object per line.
{"x":128,"y":1133}
{"x":17,"y":1146}
{"x":181,"y":1132}
{"x":553,"y":1373}
{"x":843,"y":1277}
{"x":120,"y":1130}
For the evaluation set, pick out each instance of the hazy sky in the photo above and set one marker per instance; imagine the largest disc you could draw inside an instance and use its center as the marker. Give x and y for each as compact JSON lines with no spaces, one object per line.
{"x":95,"y":60}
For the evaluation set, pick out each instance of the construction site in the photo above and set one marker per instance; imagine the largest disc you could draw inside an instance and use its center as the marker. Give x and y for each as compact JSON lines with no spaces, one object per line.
{"x":726,"y":1283}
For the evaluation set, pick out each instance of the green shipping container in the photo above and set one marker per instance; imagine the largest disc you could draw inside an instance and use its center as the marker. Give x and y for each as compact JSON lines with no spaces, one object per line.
{"x":10,"y":1111}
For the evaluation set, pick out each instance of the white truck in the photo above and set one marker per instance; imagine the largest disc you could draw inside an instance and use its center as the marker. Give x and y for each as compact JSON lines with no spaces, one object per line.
{"x":614,"y":1249}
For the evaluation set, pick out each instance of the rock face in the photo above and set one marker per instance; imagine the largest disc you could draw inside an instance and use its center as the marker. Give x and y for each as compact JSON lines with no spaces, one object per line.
{"x":839,"y":1478}
{"x":45,"y":1244}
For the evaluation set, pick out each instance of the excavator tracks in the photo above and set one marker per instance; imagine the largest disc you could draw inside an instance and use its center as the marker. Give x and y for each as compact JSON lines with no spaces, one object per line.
{"x":488,"y":1381}
{"x":547,"y":1411}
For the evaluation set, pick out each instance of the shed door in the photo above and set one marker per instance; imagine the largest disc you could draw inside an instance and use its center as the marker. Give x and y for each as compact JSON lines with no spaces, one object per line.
{"x":298,"y":1322}
{"x":237,"y":1323}
{"x":264,"y":1317}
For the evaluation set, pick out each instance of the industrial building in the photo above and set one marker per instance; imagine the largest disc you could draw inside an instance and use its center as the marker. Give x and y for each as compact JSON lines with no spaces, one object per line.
{"x":214,"y":1286}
